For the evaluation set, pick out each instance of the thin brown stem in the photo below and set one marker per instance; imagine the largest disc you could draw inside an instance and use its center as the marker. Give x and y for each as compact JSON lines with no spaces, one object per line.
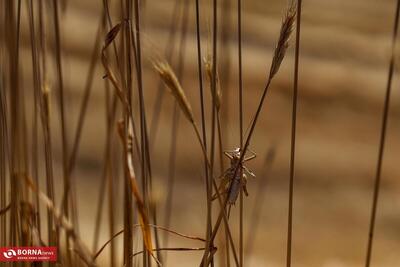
{"x":385,"y":116}
{"x":203,"y":139}
{"x":240,"y":126}
{"x":152,"y":226}
{"x":224,"y":216}
{"x":293,"y":137}
{"x":213,"y":89}
{"x":143,"y":125}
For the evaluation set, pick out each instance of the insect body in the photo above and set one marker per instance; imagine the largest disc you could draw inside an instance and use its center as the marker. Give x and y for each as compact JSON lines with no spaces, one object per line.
{"x":231,"y":183}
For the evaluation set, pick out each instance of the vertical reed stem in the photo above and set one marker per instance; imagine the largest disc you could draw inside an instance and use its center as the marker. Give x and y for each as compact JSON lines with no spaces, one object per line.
{"x":239,"y":3}
{"x":293,"y":136}
{"x":385,"y":116}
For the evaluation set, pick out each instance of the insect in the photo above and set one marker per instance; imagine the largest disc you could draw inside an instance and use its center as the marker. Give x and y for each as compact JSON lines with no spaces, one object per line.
{"x":231,"y":185}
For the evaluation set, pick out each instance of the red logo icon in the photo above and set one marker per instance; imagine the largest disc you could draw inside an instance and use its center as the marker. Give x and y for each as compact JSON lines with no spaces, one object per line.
{"x":28,"y":254}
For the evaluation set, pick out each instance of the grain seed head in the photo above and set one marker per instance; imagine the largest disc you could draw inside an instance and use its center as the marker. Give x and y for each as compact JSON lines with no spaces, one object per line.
{"x":169,"y":78}
{"x":283,"y":42}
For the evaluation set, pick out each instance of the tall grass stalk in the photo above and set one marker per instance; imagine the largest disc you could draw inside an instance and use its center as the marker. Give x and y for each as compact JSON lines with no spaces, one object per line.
{"x":210,"y":242}
{"x":293,"y":135}
{"x":12,"y":33}
{"x":385,"y":115}
{"x":145,"y":149}
{"x":85,"y":100}
{"x":239,"y":7}
{"x":66,"y":199}
{"x":44,"y":104}
{"x":3,"y":165}
{"x":203,"y":138}
{"x":36,"y":97}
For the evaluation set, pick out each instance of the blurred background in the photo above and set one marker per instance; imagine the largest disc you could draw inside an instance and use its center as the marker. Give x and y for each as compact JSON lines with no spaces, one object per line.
{"x":345,"y":50}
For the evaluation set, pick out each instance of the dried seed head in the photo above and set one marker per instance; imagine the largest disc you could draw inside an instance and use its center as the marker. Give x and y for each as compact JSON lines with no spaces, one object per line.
{"x":283,"y":42}
{"x":168,"y":76}
{"x":216,"y":92}
{"x":112,"y":34}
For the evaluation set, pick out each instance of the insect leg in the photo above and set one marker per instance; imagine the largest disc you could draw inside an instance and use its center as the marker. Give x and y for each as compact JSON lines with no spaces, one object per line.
{"x":248,"y":171}
{"x":250,"y":158}
{"x":228,"y":155}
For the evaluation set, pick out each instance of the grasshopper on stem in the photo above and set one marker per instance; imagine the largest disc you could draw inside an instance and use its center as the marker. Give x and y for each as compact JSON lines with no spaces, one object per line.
{"x":230,"y":185}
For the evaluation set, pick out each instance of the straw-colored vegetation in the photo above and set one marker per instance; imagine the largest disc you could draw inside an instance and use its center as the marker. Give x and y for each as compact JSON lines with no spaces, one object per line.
{"x":126,"y":131}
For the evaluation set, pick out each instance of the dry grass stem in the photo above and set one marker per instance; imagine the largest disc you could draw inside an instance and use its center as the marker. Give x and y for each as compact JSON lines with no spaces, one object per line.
{"x":152,"y":226}
{"x":143,"y":217}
